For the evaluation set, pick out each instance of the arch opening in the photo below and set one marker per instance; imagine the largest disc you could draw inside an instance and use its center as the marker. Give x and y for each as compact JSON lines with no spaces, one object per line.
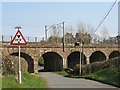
{"x":29,"y":60}
{"x":73,"y":59}
{"x":97,"y":56}
{"x":52,"y":61}
{"x":114,"y":54}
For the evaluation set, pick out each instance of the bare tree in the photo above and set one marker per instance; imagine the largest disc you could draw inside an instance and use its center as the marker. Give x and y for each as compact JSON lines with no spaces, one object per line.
{"x":55,"y":35}
{"x":90,"y":30}
{"x":81,"y":27}
{"x":55,"y":31}
{"x":83,"y":33}
{"x":69,"y":29}
{"x":104,"y":34}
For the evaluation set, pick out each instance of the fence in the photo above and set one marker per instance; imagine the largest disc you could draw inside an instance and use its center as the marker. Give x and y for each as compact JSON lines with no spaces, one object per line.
{"x":6,"y":38}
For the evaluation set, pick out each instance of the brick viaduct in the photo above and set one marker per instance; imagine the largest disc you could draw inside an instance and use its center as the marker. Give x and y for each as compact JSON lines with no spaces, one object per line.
{"x":54,"y":57}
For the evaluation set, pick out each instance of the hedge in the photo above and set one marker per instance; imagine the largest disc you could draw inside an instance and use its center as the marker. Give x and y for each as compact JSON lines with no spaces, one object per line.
{"x":97,"y":66}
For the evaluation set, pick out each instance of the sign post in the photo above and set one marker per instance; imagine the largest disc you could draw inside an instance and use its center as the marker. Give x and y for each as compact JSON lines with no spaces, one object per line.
{"x":80,"y":57}
{"x":19,"y":67}
{"x":18,"y":40}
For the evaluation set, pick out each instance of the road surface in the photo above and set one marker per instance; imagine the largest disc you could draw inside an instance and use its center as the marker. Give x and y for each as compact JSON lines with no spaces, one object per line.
{"x":58,"y":81}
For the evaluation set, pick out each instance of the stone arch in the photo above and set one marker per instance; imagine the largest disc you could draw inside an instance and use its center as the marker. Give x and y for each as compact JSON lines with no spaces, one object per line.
{"x":74,"y":58}
{"x":114,"y":54}
{"x":29,"y":60}
{"x":97,"y":56}
{"x":52,"y":61}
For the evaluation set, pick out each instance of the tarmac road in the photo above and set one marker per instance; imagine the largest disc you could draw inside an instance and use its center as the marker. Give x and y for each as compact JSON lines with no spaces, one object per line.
{"x":58,"y":81}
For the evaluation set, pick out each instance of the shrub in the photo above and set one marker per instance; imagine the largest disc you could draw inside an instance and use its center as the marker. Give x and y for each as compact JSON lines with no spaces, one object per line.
{"x":68,"y":70}
{"x":7,"y":67}
{"x":41,"y":61}
{"x":10,"y":65}
{"x":96,"y":66}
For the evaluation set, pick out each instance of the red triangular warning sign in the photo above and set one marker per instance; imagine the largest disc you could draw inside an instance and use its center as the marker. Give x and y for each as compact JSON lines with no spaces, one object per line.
{"x":18,"y":39}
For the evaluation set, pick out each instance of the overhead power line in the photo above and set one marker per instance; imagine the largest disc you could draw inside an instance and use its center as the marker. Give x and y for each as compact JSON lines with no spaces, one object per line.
{"x":105,"y":16}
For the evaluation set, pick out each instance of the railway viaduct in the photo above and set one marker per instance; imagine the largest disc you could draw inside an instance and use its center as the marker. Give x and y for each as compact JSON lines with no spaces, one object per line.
{"x":55,"y":59}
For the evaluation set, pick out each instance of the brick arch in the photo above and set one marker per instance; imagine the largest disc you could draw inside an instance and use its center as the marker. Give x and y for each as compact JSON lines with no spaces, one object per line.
{"x":52,"y":61}
{"x":97,"y":56}
{"x":74,"y":58}
{"x":113,"y":54}
{"x":45,"y":51}
{"x":28,"y":58}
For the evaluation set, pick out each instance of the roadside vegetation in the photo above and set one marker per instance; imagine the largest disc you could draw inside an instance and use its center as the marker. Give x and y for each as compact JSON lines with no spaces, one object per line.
{"x":10,"y":76}
{"x":109,"y":76}
{"x":106,"y":72}
{"x":0,"y":82}
{"x":28,"y":81}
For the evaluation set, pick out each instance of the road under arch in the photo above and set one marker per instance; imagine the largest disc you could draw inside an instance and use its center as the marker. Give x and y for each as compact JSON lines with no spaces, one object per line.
{"x":74,"y":58}
{"x":52,"y":61}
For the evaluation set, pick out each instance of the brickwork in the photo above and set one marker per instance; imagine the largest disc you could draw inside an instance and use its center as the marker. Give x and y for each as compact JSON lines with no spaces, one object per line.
{"x":36,"y":52}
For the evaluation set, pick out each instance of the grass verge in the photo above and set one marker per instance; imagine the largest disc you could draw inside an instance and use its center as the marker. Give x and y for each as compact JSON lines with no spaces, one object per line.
{"x":0,"y":82}
{"x":109,"y":76}
{"x":28,"y":81}
{"x":63,"y":73}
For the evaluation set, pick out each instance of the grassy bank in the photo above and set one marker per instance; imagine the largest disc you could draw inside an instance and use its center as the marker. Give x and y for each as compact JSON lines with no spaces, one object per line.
{"x":109,"y":76}
{"x":107,"y":71}
{"x":28,"y":81}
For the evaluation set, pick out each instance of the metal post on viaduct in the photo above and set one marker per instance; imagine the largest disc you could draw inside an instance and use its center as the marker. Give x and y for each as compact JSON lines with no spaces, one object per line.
{"x":56,"y":59}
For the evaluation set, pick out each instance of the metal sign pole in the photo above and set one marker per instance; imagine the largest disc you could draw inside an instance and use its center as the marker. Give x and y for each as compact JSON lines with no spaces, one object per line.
{"x":19,"y":67}
{"x":18,"y":40}
{"x":80,"y":58}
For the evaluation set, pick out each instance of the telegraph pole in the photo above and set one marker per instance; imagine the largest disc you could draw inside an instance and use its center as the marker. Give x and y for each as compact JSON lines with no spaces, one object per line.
{"x":63,"y":37}
{"x":63,"y":27}
{"x":46,"y":29}
{"x":45,"y":32}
